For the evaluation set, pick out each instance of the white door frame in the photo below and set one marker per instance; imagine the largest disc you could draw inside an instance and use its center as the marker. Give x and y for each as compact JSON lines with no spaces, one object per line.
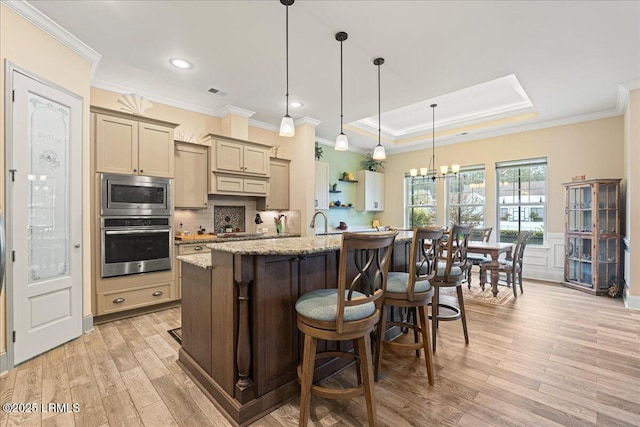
{"x":10,"y":69}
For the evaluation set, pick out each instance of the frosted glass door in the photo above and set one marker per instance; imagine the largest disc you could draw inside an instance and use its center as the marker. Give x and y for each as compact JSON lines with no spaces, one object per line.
{"x":48,"y":189}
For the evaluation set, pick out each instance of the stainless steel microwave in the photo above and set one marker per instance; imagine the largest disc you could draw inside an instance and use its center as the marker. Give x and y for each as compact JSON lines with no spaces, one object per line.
{"x":124,"y":195}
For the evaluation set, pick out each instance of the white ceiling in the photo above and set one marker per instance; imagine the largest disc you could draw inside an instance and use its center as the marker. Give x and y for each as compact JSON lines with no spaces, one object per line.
{"x":566,"y":58}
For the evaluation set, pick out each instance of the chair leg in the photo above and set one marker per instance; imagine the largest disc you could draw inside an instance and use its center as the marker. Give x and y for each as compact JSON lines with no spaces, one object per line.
{"x":520,"y":280}
{"x":424,"y":325}
{"x":483,"y":277}
{"x":308,"y":363}
{"x":414,"y":321}
{"x":434,"y":317}
{"x":364,"y":347}
{"x":463,"y":316}
{"x":380,"y":340}
{"x":513,"y":284}
{"x":469,"y":276}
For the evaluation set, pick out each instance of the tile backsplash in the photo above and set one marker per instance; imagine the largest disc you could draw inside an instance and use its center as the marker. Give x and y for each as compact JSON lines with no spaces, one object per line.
{"x":241,"y":211}
{"x":229,"y":215}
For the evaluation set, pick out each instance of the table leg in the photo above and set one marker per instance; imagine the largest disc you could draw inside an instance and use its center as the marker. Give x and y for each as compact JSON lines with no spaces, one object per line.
{"x":494,"y":275}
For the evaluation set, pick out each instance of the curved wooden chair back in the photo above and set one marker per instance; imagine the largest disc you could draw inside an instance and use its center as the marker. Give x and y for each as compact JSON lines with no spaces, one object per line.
{"x":456,"y":252}
{"x":518,"y":251}
{"x":479,"y":234}
{"x":372,"y":256}
{"x":423,"y":259}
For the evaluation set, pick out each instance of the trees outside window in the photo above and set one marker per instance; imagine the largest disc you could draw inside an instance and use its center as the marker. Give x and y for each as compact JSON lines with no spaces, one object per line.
{"x":466,"y":197}
{"x":420,"y":196}
{"x":522,"y":199}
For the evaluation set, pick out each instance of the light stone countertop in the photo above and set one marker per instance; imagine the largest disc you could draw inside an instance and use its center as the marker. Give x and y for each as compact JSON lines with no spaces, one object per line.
{"x":199,"y":260}
{"x":208,"y":238}
{"x":293,"y":246}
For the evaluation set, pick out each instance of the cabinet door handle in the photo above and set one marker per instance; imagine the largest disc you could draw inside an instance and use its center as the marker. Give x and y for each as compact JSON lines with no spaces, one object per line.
{"x":141,"y":171}
{"x":118,"y":300}
{"x":197,"y":248}
{"x":135,"y":170}
{"x":157,"y":293}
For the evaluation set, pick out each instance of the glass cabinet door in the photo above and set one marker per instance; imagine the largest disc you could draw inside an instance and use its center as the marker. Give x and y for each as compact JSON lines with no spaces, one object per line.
{"x":607,"y":262}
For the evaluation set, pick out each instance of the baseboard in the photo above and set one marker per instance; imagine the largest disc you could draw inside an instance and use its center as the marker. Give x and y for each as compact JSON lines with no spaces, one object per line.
{"x":4,"y":363}
{"x":631,"y":301}
{"x":87,"y":323}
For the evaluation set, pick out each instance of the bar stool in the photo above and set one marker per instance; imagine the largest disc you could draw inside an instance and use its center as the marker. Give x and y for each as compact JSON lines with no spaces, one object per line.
{"x":451,"y":273}
{"x":346,"y":313}
{"x":413,"y":291}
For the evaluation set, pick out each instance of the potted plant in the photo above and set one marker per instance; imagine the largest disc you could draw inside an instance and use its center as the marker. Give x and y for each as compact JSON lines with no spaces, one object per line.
{"x":318,"y":151}
{"x":370,"y":163}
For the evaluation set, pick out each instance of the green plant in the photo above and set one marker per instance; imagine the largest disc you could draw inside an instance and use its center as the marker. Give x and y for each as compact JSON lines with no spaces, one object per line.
{"x":370,"y":163}
{"x":319,"y":153}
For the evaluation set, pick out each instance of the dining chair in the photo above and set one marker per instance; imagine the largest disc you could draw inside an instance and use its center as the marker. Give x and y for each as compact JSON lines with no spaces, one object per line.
{"x":477,"y":235}
{"x":413,"y":291}
{"x":511,"y":267}
{"x":451,"y":273}
{"x":348,"y":313}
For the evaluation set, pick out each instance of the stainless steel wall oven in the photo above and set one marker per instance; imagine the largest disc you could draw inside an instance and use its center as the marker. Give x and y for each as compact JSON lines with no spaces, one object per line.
{"x":133,"y":245}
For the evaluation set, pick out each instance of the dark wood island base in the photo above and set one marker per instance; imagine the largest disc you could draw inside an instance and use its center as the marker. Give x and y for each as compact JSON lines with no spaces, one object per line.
{"x":240,"y":342}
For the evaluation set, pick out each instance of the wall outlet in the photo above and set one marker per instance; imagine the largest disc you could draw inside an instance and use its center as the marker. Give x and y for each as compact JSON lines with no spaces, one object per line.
{"x":264,"y":229}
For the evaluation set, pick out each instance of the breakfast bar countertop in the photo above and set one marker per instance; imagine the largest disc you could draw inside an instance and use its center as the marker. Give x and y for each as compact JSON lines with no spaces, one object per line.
{"x":293,"y":246}
{"x":199,"y":260}
{"x":233,"y":237}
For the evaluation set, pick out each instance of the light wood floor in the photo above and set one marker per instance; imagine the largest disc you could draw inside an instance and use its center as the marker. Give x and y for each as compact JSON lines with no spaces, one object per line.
{"x":553,"y":357}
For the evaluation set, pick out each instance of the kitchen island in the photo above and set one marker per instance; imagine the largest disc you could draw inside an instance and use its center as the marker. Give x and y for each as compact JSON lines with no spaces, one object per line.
{"x":240,"y":341}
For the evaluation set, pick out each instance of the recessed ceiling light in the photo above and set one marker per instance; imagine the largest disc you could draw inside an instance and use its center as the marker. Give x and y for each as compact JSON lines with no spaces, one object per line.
{"x":295,"y":104}
{"x":181,"y":63}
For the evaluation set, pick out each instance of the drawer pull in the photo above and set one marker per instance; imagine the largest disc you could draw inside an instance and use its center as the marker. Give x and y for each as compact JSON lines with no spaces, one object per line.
{"x":197,"y":248}
{"x":157,"y":293}
{"x":118,"y":300}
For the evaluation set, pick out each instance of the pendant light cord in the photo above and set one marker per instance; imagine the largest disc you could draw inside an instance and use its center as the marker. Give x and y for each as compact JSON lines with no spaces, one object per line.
{"x":287,"y":54}
{"x":341,"y":94}
{"x":379,"y":104}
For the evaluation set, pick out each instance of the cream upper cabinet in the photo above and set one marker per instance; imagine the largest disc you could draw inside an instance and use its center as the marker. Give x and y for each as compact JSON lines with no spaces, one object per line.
{"x":243,"y":158}
{"x":237,"y":167}
{"x":322,"y":186}
{"x":369,"y":191}
{"x":191,"y":175}
{"x":278,"y":188}
{"x":116,"y":145}
{"x":126,"y":144}
{"x":155,"y":150}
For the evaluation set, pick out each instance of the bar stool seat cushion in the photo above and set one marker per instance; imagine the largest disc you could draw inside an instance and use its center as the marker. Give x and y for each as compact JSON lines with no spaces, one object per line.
{"x":398,"y":282}
{"x":455,"y":271}
{"x":322,"y":304}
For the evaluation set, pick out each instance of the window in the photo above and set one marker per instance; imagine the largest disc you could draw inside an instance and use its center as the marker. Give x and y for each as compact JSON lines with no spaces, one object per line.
{"x":465,"y":197}
{"x":420,"y":201}
{"x":522,"y":199}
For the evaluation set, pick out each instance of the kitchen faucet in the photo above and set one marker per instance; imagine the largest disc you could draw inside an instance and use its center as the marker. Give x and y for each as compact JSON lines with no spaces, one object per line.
{"x":313,"y":221}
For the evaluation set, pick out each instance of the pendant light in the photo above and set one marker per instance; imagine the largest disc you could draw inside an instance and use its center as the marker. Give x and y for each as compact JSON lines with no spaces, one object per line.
{"x":342,"y":143}
{"x":378,"y":152}
{"x":287,"y":127}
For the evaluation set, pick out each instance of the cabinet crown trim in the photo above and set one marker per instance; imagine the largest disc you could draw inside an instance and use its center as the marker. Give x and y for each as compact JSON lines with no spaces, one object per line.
{"x":212,"y":136}
{"x":109,"y":112}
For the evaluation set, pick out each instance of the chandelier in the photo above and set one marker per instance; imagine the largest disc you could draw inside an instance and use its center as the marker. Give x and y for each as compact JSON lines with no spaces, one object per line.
{"x":431,"y":172}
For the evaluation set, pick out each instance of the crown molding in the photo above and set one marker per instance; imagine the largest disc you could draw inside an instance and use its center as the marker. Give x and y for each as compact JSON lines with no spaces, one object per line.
{"x":264,"y":125}
{"x":236,"y":111}
{"x":474,"y":136}
{"x":46,"y":24}
{"x":114,"y":87}
{"x":373,"y":131}
{"x":623,"y":94}
{"x":307,"y":121}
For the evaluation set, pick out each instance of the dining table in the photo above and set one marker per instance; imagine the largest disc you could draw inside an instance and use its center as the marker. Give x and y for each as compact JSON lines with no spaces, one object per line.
{"x":494,"y":249}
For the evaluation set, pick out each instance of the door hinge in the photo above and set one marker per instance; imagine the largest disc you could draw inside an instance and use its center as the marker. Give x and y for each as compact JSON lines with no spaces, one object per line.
{"x":13,"y":174}
{"x":13,"y":95}
{"x":13,"y":256}
{"x":14,"y":336}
